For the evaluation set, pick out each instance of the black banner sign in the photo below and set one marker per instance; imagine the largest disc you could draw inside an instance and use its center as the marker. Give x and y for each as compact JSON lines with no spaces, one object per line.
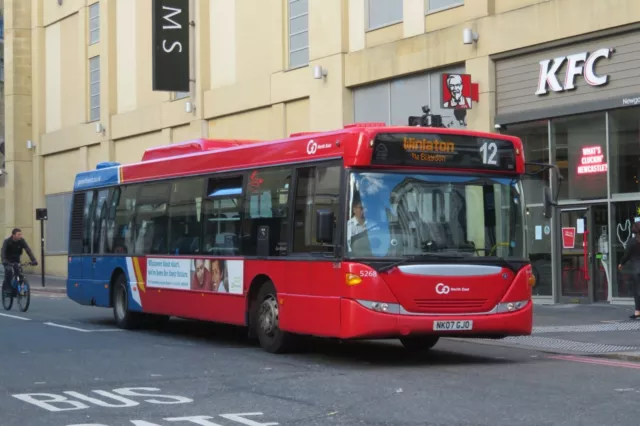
{"x":444,"y":151}
{"x":170,"y":37}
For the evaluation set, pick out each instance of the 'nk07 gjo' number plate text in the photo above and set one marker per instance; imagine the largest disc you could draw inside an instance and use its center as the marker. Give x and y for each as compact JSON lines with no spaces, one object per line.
{"x":452,"y":325}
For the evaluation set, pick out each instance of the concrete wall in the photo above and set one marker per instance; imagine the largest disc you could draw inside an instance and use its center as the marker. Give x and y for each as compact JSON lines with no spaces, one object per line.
{"x":244,"y":86}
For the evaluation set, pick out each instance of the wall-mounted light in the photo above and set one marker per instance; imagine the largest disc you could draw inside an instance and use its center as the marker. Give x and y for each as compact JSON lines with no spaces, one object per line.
{"x":188,"y":107}
{"x":30,"y":144}
{"x":319,"y":72}
{"x":469,"y":36}
{"x":100,"y":128}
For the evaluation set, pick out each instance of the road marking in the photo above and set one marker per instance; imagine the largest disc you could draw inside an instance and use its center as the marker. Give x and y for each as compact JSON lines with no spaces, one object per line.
{"x":82,"y":330}
{"x":605,"y":362}
{"x":16,"y":317}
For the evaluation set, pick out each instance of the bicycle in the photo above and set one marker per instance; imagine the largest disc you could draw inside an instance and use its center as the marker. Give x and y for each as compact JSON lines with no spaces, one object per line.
{"x":20,"y":288}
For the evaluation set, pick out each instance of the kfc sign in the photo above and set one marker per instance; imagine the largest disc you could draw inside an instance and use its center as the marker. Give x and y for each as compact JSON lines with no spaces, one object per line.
{"x":579,"y":64}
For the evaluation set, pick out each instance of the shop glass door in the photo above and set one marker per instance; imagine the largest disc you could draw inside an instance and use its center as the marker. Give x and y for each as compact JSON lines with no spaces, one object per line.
{"x":584,"y":261}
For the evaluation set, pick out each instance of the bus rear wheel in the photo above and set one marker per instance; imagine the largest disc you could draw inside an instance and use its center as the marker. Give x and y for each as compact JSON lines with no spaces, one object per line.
{"x":419,"y":344}
{"x":123,"y":316}
{"x":266,"y":316}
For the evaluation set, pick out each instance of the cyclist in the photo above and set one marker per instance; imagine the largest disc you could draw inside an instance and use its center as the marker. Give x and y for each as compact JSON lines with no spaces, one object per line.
{"x":11,"y":252}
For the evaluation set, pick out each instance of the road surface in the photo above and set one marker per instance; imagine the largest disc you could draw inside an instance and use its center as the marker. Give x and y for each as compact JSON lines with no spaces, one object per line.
{"x":68,"y":365}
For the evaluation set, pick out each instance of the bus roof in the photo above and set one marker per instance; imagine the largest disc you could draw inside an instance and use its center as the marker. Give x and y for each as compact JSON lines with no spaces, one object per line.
{"x":354,"y":144}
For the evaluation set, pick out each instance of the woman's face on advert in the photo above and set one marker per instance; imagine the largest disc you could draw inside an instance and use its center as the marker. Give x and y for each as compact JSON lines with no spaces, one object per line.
{"x":216,"y":273}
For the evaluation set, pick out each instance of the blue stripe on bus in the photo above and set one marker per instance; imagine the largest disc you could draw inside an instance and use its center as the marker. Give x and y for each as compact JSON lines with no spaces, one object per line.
{"x":97,"y":178}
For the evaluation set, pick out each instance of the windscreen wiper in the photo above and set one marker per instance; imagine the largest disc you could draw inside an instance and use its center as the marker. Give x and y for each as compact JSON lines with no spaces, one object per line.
{"x":424,"y":256}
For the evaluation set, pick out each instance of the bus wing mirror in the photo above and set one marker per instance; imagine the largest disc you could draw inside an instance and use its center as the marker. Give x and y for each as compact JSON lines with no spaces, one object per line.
{"x":548,"y":202}
{"x":324,"y":226}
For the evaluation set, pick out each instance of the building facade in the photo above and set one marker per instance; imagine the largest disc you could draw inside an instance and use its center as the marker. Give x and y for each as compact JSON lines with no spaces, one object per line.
{"x":79,"y":91}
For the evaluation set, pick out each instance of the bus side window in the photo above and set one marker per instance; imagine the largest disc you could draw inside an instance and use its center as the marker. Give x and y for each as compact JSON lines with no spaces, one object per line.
{"x":89,"y":207}
{"x":124,"y":235}
{"x":317,"y":188}
{"x":185,"y":214}
{"x":152,"y":219}
{"x":110,"y":221}
{"x":223,"y":216}
{"x":267,"y":204}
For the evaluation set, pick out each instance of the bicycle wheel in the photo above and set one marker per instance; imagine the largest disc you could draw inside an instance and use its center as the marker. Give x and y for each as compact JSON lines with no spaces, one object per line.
{"x":7,"y":301}
{"x":24,"y":295}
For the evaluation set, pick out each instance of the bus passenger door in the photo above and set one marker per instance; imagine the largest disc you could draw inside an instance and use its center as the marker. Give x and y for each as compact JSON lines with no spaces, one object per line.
{"x":317,"y":188}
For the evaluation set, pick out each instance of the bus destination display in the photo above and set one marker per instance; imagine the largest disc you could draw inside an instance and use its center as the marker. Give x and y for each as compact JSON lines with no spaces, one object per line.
{"x":441,"y":150}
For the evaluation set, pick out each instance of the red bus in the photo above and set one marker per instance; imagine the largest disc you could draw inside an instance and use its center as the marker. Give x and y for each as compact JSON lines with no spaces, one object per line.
{"x":366,"y":232}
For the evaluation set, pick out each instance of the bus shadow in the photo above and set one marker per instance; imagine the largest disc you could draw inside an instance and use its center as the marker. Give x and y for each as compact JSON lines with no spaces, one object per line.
{"x":360,"y":353}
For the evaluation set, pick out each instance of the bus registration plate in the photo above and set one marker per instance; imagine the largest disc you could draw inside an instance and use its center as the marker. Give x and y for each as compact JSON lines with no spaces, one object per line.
{"x":452,"y":325}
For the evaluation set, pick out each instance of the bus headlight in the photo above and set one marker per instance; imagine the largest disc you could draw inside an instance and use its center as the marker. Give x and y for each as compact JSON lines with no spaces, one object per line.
{"x":511,"y":306}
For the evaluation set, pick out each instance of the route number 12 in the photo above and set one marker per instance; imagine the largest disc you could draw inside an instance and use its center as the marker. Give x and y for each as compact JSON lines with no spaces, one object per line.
{"x":489,"y":150}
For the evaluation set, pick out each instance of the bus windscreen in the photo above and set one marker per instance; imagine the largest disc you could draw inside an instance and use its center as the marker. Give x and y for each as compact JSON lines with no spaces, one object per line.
{"x":443,"y":151}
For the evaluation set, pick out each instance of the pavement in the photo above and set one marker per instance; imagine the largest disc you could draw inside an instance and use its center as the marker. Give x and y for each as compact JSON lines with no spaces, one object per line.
{"x":600,"y":329}
{"x":72,"y":367}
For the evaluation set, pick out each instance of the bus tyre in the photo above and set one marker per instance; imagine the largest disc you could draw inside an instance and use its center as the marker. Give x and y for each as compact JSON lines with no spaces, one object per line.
{"x":121,"y":313}
{"x":265,"y":313}
{"x":419,"y":344}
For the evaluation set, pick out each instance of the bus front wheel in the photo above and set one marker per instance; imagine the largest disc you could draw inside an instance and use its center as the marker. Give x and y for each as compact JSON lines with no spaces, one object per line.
{"x":419,"y":344}
{"x":266,"y":317}
{"x":123,"y":316}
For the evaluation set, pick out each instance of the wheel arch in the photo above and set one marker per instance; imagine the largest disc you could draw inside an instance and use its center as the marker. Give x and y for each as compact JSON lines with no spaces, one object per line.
{"x":256,"y":283}
{"x":114,"y":276}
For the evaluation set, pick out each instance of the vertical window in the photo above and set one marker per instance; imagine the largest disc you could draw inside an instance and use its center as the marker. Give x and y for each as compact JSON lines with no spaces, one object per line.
{"x":266,"y":204}
{"x":185,"y":215}
{"x":317,"y":188}
{"x":89,"y":207}
{"x":435,"y":5}
{"x":384,"y":12}
{"x":152,"y":219}
{"x":99,"y":221}
{"x":123,"y":239}
{"x":94,"y":23}
{"x":299,"y":33}
{"x":94,"y":79}
{"x":109,"y":221}
{"x":223,"y":217}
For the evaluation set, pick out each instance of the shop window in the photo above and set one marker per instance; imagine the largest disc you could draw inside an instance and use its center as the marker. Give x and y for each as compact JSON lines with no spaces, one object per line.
{"x":223,"y":216}
{"x":57,"y":225}
{"x":384,"y":12}
{"x":267,"y":205}
{"x":535,"y":139}
{"x":623,"y":215}
{"x":317,"y":188}
{"x":581,"y":155}
{"x":539,"y":249}
{"x":624,"y":142}
{"x":185,"y":215}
